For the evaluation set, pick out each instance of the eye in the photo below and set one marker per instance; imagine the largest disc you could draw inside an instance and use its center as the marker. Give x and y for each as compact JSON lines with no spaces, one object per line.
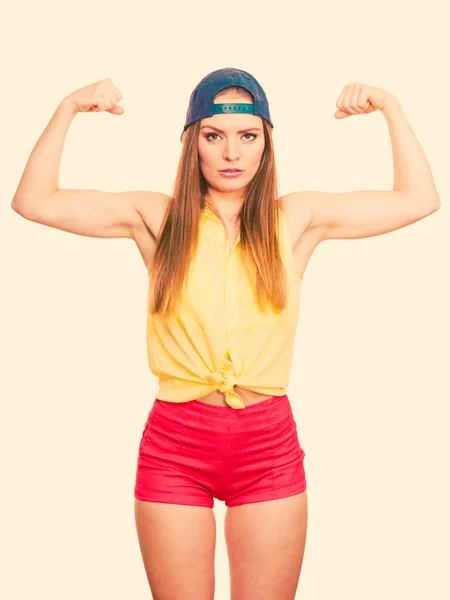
{"x":245,"y":134}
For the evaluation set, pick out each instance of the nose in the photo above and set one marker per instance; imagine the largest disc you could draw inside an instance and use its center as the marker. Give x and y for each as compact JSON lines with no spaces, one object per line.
{"x":231,"y":152}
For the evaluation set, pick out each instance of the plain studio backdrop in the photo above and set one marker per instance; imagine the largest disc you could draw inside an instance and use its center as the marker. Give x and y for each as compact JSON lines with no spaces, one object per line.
{"x":370,"y":374}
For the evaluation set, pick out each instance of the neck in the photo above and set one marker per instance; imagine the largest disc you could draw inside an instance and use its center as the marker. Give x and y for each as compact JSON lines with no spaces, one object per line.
{"x":225,"y":215}
{"x":227,"y":209}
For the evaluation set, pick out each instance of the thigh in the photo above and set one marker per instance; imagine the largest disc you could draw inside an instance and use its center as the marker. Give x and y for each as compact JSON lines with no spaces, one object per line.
{"x":265,"y":543}
{"x":177,"y":544}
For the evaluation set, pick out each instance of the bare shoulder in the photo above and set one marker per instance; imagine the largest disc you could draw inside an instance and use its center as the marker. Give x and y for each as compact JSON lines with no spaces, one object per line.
{"x":298,"y":211}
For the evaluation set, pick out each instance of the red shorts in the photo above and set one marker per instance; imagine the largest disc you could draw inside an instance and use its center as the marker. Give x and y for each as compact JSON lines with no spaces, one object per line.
{"x":193,"y":452}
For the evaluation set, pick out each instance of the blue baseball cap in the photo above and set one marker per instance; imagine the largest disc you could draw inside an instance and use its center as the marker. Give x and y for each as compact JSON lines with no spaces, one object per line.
{"x":201,"y":102}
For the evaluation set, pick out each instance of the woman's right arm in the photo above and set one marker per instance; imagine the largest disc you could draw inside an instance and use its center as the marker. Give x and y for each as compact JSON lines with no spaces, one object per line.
{"x":92,"y":213}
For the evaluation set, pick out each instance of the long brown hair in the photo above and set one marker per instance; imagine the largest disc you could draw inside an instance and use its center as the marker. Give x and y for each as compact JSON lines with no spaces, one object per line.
{"x":176,"y":243}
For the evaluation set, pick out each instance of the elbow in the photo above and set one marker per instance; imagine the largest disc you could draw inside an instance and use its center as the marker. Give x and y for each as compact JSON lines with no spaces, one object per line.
{"x":21,"y":208}
{"x":436,"y":205}
{"x":434,"y":200}
{"x":431,"y":204}
{"x":427,"y":201}
{"x":16,"y":206}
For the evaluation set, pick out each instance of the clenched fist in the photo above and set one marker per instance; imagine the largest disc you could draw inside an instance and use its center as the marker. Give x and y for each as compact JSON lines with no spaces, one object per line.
{"x":100,"y":96}
{"x":362,"y":99}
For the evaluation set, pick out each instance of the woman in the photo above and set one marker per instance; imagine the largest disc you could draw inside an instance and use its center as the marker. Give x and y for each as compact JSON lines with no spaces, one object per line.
{"x":225,"y":258}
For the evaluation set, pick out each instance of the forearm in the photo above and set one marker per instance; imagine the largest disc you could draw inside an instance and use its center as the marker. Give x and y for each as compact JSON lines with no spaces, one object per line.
{"x":40,"y":178}
{"x":412,"y":173}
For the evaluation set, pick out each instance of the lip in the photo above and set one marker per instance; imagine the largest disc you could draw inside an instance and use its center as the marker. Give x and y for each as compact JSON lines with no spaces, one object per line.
{"x":225,"y":173}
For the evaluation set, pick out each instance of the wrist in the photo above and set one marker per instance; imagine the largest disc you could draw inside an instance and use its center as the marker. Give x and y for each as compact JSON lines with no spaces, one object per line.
{"x":67,"y":106}
{"x":391,"y":108}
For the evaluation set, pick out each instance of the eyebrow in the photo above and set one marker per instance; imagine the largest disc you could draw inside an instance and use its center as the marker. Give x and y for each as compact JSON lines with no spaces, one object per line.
{"x":220,"y":131}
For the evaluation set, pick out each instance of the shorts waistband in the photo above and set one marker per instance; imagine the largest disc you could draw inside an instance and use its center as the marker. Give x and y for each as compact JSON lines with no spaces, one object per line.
{"x":253,"y":409}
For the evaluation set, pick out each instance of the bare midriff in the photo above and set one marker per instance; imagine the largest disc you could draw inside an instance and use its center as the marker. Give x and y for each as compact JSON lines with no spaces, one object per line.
{"x":217,"y":397}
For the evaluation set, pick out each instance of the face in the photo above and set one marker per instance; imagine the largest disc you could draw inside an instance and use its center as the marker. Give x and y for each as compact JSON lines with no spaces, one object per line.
{"x":228,"y":141}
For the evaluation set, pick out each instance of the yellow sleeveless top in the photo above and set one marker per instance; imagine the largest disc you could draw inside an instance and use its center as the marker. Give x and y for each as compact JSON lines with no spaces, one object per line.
{"x":219,"y":337}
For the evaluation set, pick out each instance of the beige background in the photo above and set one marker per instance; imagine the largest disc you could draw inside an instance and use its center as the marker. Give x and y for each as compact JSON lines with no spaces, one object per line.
{"x":370,"y":377}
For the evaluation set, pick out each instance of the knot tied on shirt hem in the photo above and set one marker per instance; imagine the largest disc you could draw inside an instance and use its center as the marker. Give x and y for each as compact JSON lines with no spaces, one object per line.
{"x":226,"y":381}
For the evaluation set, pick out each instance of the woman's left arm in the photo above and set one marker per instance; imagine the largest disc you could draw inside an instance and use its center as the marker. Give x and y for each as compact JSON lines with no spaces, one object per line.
{"x":366,"y":213}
